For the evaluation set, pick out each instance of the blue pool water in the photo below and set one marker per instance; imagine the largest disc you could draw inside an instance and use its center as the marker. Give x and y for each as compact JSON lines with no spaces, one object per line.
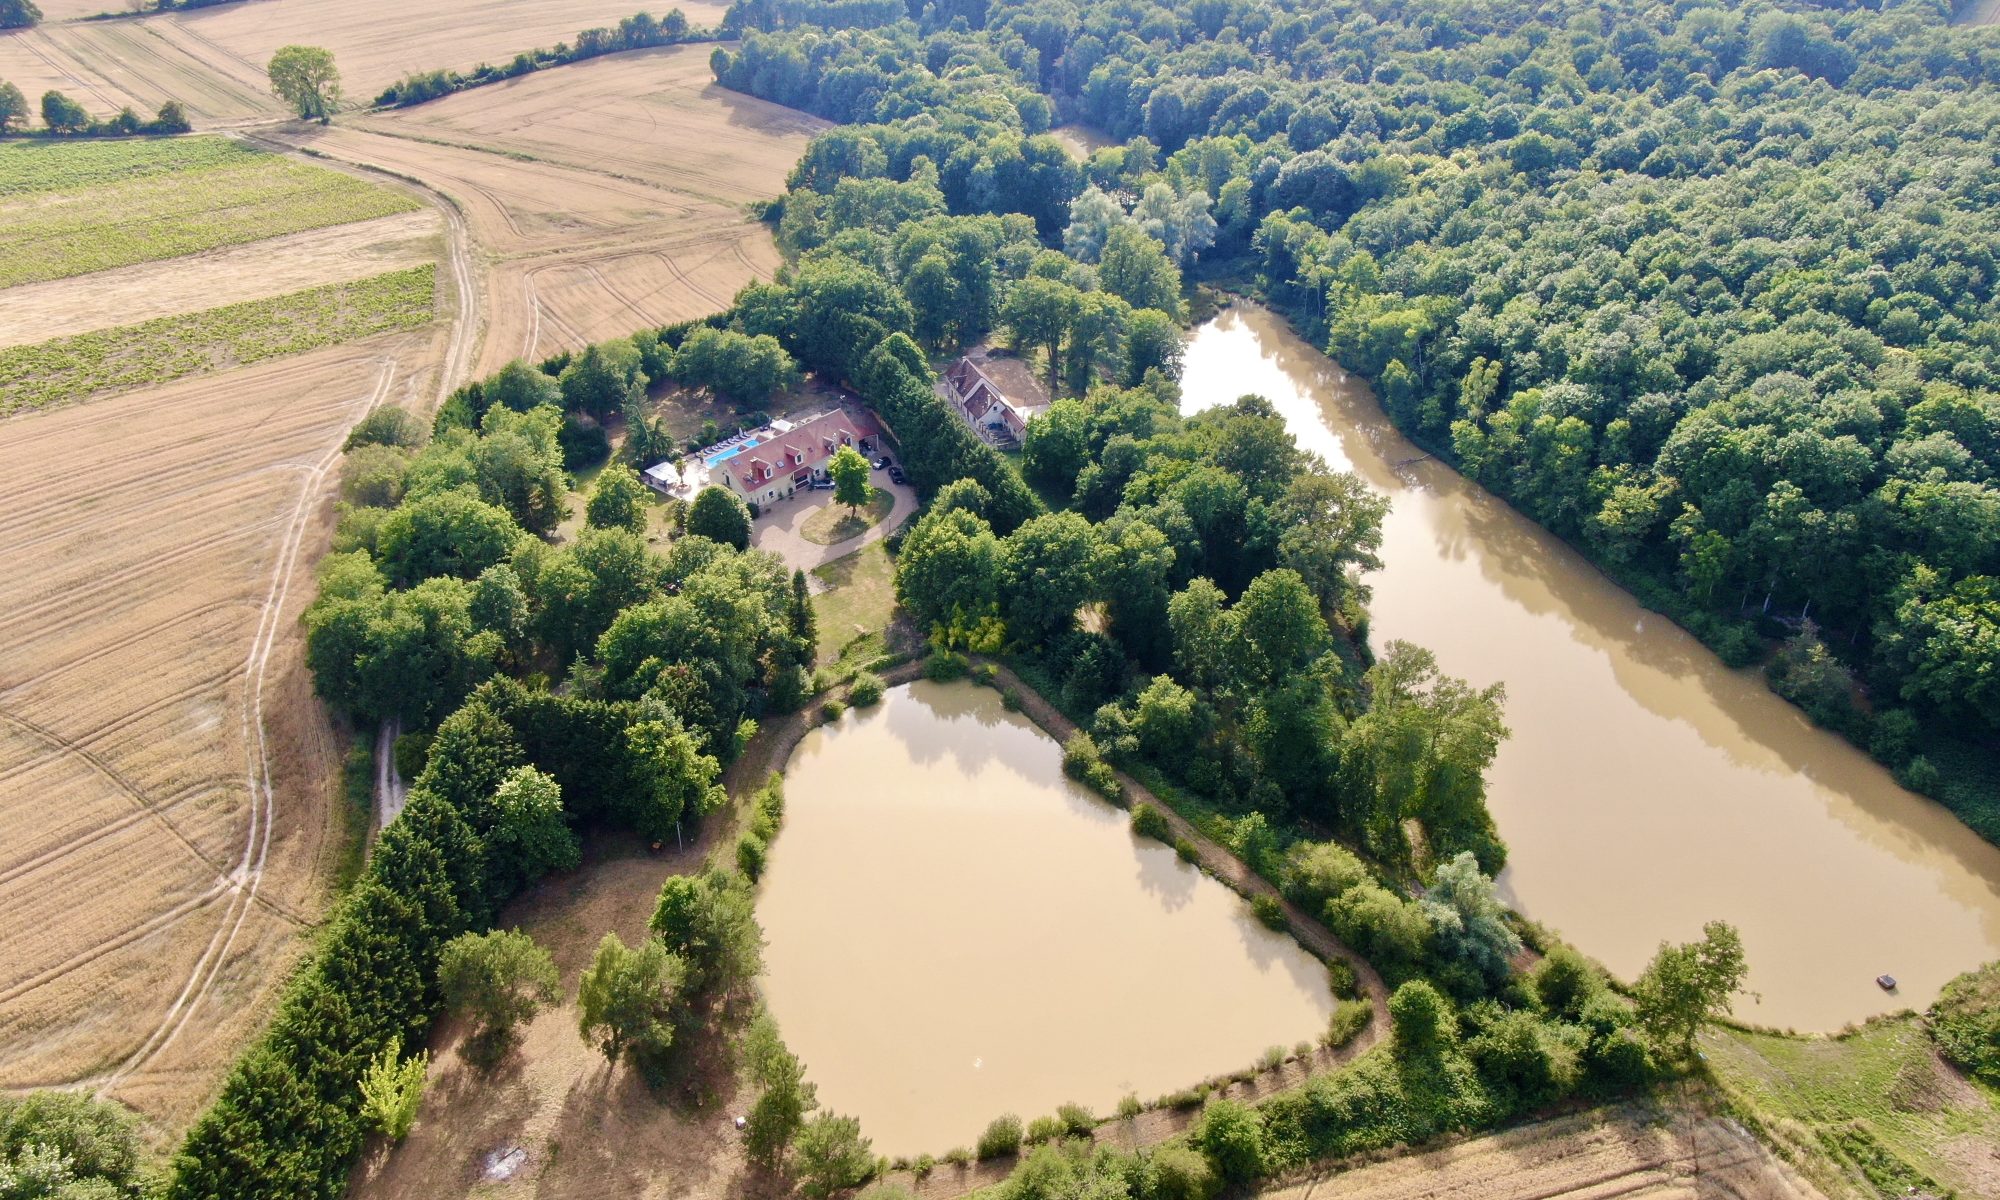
{"x":732,"y":451}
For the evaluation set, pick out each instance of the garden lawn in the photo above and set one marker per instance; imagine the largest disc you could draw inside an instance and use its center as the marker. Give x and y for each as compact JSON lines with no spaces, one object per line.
{"x":72,"y":209}
{"x":860,"y":599}
{"x":835,"y":523}
{"x":72,"y":368}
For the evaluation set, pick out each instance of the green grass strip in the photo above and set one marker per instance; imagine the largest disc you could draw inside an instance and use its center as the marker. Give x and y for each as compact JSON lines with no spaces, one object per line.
{"x":227,"y":200}
{"x":51,"y":166}
{"x":73,"y":368}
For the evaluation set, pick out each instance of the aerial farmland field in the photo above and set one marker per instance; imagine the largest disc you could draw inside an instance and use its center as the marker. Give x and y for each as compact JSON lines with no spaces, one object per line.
{"x":212,"y":60}
{"x":59,"y":215}
{"x":168,"y":777}
{"x":603,"y":196}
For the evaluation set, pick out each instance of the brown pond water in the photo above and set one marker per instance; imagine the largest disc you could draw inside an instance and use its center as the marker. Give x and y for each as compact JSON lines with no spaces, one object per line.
{"x":957,"y":931}
{"x":1646,"y":788}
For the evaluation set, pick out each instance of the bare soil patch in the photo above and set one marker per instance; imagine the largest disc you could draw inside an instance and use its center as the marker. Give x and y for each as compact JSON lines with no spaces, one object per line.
{"x":1629,"y":1151}
{"x":37,"y":312}
{"x":166,"y":778}
{"x":554,"y":1114}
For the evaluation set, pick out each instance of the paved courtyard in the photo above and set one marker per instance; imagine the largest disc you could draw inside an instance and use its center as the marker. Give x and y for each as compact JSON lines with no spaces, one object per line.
{"x":778,"y":529}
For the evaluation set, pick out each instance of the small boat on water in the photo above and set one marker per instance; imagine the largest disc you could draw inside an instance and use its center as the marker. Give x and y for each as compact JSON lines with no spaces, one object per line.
{"x":1886,"y":982}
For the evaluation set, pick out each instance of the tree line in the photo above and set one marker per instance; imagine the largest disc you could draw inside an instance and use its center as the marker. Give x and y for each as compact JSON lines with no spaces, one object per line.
{"x":65,"y":118}
{"x":1707,"y":291}
{"x":635,"y":32}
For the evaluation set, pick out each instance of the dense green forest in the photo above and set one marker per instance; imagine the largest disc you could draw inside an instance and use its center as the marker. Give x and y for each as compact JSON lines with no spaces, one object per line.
{"x":1708,"y":290}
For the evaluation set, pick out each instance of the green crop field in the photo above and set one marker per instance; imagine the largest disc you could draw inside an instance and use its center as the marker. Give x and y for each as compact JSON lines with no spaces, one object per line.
{"x":73,"y":368}
{"x":71,"y":209}
{"x":55,"y":166}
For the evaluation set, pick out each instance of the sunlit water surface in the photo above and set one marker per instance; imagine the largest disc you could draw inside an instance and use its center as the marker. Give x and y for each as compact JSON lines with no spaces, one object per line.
{"x":956,"y":930}
{"x":1646,"y":788}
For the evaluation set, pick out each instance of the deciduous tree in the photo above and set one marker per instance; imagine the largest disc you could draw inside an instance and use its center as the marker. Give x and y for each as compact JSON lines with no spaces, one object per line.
{"x":497,"y":980}
{"x":1687,"y":984}
{"x":305,"y":78}
{"x":850,"y":477}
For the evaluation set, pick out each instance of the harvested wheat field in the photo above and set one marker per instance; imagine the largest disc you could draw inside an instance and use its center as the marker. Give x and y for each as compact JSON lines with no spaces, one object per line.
{"x":108,"y":65}
{"x":582,"y":244}
{"x":655,"y":115}
{"x":212,"y":60}
{"x":164,"y":770}
{"x":36,"y":312}
{"x":1633,"y":1152}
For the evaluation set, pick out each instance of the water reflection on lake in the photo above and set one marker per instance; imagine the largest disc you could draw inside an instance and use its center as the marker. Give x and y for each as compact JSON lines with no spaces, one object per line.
{"x":1647,"y":788}
{"x":956,"y":930}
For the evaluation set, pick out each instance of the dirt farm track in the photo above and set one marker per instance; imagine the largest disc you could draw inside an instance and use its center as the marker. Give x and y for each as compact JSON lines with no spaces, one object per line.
{"x":168,"y":782}
{"x":165,"y":774}
{"x":599,"y":197}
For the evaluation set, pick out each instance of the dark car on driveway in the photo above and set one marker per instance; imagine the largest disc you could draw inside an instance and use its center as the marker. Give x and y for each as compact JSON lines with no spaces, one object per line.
{"x":895,"y":472}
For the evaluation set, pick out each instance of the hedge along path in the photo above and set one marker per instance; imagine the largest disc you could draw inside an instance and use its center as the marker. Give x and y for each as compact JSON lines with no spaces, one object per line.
{"x":773,"y":747}
{"x":167,"y":348}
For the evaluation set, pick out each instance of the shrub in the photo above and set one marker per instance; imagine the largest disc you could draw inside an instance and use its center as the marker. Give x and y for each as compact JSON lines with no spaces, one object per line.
{"x":1316,"y":872}
{"x":1150,"y":822}
{"x":1423,"y":1019}
{"x":1042,"y":1129}
{"x":751,"y":853}
{"x":866,"y":690}
{"x":1268,"y":910}
{"x":1920,"y":775}
{"x":1129,"y":1106}
{"x":1965,"y":1022}
{"x":99,"y":1140}
{"x":1083,"y":763}
{"x":943,"y":666}
{"x":958,"y":1156}
{"x":1003,"y":1136}
{"x":1188,"y":851}
{"x":1010,"y":700}
{"x":1340,"y":979}
{"x":829,"y":1154}
{"x":1230,"y":1135}
{"x":392,"y":1088}
{"x":1347,"y":1023}
{"x":1182,"y":1173}
{"x":831,"y":710}
{"x":1076,"y":1119}
{"x":985,"y":673}
{"x":924,"y":1165}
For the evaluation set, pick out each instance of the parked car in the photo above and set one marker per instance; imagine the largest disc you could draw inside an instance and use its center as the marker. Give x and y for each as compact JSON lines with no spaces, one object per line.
{"x":895,"y":473}
{"x":880,"y":463}
{"x":821,"y":485}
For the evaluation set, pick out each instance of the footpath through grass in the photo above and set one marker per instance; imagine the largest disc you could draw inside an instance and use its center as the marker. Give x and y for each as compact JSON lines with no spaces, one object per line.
{"x":70,"y":209}
{"x":168,"y":348}
{"x":1871,"y":1113}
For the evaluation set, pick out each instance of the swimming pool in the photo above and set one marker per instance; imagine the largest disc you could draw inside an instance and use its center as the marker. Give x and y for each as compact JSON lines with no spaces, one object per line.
{"x":731,"y":451}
